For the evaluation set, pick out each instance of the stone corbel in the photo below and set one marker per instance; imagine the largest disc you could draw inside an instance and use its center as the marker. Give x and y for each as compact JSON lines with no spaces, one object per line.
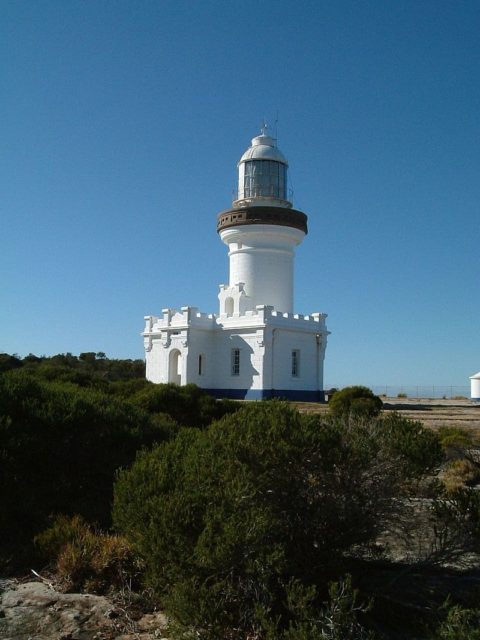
{"x":165,"y":341}
{"x":260,"y":339}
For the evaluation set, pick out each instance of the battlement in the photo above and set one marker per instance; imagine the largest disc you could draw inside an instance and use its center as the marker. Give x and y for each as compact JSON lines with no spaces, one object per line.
{"x":312,"y":317}
{"x":171,"y":318}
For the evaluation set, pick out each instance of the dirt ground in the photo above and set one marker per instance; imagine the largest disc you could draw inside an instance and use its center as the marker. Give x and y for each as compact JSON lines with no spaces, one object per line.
{"x":438,"y":413}
{"x":433,"y":413}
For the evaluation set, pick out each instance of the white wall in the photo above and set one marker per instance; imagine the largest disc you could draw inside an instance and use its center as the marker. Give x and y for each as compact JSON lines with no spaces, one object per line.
{"x":265,"y":339}
{"x":284,"y":342}
{"x":261,"y":256}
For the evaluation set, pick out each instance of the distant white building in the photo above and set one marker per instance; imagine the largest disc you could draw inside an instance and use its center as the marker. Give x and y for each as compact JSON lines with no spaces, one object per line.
{"x":255,"y":347}
{"x":475,"y":387}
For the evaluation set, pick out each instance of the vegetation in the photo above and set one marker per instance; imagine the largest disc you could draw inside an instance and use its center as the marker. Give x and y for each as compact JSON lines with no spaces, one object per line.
{"x":416,"y":448}
{"x":356,"y":402}
{"x":248,"y":520}
{"x":86,"y":558}
{"x":64,"y":431}
{"x":460,"y":624}
{"x":240,"y":523}
{"x":455,"y":439}
{"x":188,"y":405}
{"x":460,"y":473}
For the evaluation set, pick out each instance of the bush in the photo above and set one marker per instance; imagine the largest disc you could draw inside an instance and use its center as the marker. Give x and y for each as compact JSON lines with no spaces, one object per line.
{"x":454,"y":439}
{"x":337,"y":619}
{"x":8,"y":362}
{"x":188,"y":405}
{"x":460,"y":624}
{"x":457,"y":522}
{"x":60,"y":446}
{"x":236,"y":520}
{"x":86,"y":558}
{"x":357,"y":401}
{"x":417,"y":446}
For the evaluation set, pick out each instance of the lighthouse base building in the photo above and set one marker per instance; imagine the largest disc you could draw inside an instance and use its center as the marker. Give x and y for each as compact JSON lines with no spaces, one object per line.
{"x":255,"y":347}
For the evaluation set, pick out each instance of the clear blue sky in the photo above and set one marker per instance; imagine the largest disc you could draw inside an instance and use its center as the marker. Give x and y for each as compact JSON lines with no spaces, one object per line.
{"x":121,"y":125}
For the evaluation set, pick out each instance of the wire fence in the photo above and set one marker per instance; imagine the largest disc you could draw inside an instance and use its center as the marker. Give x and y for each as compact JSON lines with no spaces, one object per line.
{"x":447,"y":392}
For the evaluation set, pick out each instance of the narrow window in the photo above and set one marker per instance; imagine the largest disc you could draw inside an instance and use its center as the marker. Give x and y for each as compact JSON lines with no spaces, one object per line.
{"x":235,"y":362}
{"x":229,"y":304}
{"x":200,"y":365}
{"x":295,"y":363}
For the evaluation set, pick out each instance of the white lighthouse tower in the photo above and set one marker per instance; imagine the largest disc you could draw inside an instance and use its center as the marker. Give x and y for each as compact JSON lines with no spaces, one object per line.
{"x":255,"y":347}
{"x":262,"y":230}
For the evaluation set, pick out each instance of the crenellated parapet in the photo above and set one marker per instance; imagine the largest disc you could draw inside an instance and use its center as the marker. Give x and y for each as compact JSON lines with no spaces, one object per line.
{"x":173,"y":319}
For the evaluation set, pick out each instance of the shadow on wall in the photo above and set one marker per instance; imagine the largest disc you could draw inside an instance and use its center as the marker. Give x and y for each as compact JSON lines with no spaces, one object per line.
{"x":175,"y":366}
{"x":238,"y":379}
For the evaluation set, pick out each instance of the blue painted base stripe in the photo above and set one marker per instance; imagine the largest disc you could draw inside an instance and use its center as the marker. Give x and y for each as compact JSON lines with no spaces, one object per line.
{"x":265,"y":394}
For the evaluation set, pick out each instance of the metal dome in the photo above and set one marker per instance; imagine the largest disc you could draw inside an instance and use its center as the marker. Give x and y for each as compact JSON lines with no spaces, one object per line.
{"x":263,"y":148}
{"x":476,"y":376}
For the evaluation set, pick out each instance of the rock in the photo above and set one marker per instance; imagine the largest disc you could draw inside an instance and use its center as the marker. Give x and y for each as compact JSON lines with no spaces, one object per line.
{"x":35,"y":611}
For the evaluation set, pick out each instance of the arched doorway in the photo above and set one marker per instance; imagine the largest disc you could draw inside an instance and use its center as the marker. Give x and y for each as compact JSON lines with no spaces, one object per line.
{"x":175,"y":367}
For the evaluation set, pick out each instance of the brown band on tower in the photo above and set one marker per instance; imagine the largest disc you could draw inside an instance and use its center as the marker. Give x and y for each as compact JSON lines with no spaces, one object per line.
{"x":262,"y":215}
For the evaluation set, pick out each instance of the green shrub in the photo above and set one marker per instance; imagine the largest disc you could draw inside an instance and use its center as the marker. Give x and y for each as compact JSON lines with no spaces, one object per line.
{"x":188,"y":405}
{"x":336,"y":619}
{"x":232,"y":520}
{"x":460,"y":624}
{"x":357,"y":401}
{"x":60,"y":446}
{"x":8,"y":362}
{"x":457,"y":521}
{"x":128,"y":388}
{"x":455,"y":439}
{"x":417,"y":446}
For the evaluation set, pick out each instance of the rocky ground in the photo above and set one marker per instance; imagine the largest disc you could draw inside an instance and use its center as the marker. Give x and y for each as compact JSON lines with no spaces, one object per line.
{"x":37,"y":611}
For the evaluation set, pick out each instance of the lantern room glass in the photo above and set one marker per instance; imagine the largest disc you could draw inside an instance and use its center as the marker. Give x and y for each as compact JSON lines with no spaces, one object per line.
{"x":265,"y":178}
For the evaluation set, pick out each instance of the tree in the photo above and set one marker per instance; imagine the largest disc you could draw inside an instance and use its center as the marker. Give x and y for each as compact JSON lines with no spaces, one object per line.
{"x":265,"y":504}
{"x":355,"y":401}
{"x":8,"y":362}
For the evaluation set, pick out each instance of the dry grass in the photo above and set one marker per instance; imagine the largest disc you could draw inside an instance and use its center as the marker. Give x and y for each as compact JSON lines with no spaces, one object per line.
{"x":86,"y":558}
{"x":434,"y":413}
{"x":460,"y":473}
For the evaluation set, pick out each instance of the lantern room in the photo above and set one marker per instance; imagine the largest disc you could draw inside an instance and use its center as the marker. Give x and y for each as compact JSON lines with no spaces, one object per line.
{"x":262,"y":173}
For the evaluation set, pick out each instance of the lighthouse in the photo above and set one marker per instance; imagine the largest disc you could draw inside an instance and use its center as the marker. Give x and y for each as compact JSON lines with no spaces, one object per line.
{"x":255,"y":346}
{"x":262,"y":229}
